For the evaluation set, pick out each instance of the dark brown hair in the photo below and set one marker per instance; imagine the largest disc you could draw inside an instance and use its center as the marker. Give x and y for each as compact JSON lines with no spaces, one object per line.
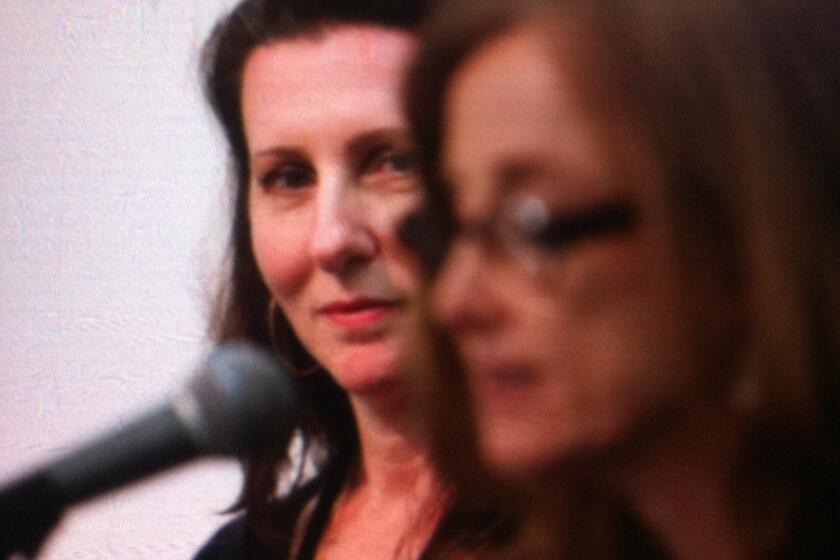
{"x":739,"y":101}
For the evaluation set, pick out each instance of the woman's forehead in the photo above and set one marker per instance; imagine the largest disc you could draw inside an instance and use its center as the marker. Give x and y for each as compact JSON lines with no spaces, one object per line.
{"x":513,"y":113}
{"x":371,"y":52}
{"x":345,"y":79}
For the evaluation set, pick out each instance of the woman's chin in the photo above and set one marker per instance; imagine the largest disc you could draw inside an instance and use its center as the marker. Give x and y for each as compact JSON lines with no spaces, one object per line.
{"x":367,"y":369}
{"x":521,"y":455}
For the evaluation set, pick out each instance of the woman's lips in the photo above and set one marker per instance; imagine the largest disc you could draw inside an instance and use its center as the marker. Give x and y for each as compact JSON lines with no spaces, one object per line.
{"x":503,"y":386}
{"x":359,"y":312}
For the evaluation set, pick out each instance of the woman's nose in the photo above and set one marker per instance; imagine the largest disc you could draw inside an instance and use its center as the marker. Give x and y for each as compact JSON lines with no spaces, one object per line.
{"x":460,"y":296}
{"x":342,"y":235}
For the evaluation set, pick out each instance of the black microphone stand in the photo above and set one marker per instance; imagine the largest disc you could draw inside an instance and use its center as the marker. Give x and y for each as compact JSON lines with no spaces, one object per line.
{"x":29,"y":509}
{"x":31,"y":506}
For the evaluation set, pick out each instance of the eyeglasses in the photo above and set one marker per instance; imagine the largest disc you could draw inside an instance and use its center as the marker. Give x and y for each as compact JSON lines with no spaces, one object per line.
{"x":524,"y":229}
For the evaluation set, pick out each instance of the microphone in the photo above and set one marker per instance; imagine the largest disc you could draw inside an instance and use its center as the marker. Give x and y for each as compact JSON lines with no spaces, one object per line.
{"x":240,"y":401}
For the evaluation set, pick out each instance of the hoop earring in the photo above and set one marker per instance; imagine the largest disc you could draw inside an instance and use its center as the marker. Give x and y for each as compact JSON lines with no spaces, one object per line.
{"x":284,"y":349}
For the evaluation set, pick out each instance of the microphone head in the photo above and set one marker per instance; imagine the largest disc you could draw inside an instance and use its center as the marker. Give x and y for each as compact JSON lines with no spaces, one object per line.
{"x":241,"y":401}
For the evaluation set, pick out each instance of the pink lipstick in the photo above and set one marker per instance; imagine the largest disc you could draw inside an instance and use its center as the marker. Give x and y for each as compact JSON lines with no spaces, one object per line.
{"x":358,"y":312}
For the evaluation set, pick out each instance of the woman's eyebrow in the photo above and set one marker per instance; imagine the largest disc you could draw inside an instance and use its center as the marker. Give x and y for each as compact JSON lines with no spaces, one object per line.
{"x":531,"y":169}
{"x":363,"y":142}
{"x":278,"y":151}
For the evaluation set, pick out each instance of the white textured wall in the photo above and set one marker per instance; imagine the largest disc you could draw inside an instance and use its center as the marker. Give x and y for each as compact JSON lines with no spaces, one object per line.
{"x":111,"y":212}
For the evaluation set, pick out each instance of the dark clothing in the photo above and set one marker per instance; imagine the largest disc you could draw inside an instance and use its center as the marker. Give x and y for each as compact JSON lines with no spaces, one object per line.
{"x":228,"y":543}
{"x":237,"y":541}
{"x":816,"y":535}
{"x":816,"y":530}
{"x":460,"y":529}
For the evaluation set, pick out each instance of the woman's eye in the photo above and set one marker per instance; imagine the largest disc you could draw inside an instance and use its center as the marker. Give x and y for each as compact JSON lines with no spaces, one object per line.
{"x":288,"y":177}
{"x":553,"y":232}
{"x":399,"y":162}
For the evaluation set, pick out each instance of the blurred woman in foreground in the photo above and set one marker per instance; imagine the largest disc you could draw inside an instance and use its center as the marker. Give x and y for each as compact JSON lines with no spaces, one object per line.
{"x":634,"y":220}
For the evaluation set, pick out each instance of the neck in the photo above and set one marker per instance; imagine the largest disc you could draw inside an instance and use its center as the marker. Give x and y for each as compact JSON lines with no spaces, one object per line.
{"x":393,"y":499}
{"x":393,"y":462}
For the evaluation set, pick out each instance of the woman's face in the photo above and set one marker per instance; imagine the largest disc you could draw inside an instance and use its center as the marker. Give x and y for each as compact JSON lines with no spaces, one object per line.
{"x":569,"y":314}
{"x":332,"y":172}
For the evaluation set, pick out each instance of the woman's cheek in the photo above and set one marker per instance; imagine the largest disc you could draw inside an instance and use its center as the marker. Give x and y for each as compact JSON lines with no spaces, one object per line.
{"x":403,"y":269}
{"x":281,"y":251}
{"x":597,"y":272}
{"x":625,"y":301}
